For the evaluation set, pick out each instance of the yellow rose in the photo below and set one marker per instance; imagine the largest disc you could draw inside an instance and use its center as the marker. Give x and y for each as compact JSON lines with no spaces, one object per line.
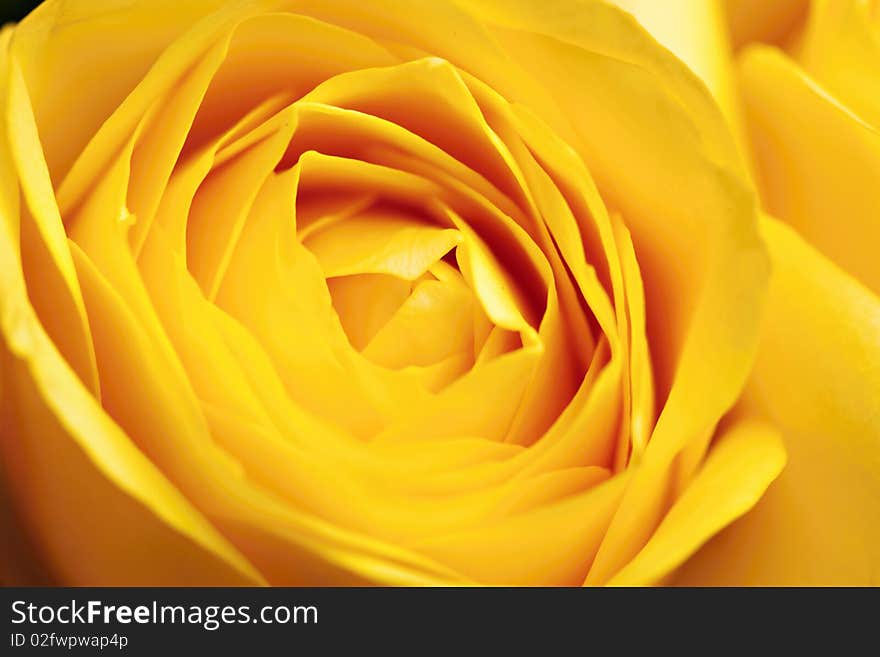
{"x":450,"y":292}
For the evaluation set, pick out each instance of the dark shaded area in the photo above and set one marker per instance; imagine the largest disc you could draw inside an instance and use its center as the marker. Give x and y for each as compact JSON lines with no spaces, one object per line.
{"x":12,"y":11}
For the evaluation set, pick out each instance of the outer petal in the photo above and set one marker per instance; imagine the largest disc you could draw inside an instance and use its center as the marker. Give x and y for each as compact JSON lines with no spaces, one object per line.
{"x":56,"y":46}
{"x":841,"y":49}
{"x":745,"y":459}
{"x":696,"y":31}
{"x":818,"y":163}
{"x":817,"y":378}
{"x":94,"y":508}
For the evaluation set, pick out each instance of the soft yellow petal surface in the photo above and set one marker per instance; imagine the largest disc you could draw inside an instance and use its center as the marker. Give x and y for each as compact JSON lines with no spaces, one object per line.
{"x":817,"y":379}
{"x":45,"y":257}
{"x":67,"y":462}
{"x":745,"y":459}
{"x":841,"y":49}
{"x":818,"y":163}
{"x":770,"y":21}
{"x":696,"y":32}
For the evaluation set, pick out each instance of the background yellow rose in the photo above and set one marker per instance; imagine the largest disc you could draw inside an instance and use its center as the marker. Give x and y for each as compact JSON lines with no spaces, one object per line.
{"x":803,"y":80}
{"x":466,"y":292}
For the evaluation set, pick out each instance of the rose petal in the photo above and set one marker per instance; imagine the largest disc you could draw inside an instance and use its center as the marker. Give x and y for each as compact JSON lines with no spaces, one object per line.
{"x":817,"y":378}
{"x":818,"y":163}
{"x":365,"y":303}
{"x":771,"y":21}
{"x":434,"y":323}
{"x":745,"y":459}
{"x":221,"y":206}
{"x":377,"y":242}
{"x":57,"y":299}
{"x":703,"y":336}
{"x":841,"y":50}
{"x":66,"y":460}
{"x":514,"y":551}
{"x":97,"y":510}
{"x":55,"y":44}
{"x":696,"y":32}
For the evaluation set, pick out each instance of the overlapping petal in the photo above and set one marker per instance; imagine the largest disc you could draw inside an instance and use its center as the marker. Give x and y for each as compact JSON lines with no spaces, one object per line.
{"x":816,"y":379}
{"x":63,"y":457}
{"x":817,"y":161}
